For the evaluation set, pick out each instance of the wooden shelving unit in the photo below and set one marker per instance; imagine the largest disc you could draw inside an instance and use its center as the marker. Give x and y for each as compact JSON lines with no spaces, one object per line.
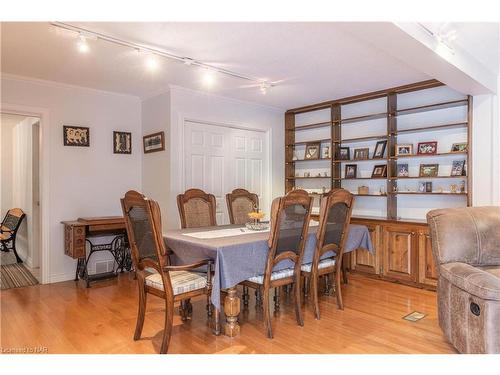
{"x":391,"y":115}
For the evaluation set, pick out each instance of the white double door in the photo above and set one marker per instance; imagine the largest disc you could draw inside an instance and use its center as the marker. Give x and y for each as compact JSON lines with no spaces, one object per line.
{"x":218,"y":159}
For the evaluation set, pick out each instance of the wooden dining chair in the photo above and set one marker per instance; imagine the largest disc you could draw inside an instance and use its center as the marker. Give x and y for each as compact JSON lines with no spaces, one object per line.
{"x":8,"y":231}
{"x":290,"y":217}
{"x":334,"y":218}
{"x":240,"y":203}
{"x":154,"y":273}
{"x":196,"y":209}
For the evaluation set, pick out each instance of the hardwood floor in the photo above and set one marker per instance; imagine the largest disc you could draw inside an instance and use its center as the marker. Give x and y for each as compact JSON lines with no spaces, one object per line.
{"x":68,"y":318}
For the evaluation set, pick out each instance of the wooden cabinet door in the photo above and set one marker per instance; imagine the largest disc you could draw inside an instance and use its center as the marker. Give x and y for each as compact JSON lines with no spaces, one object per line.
{"x":364,"y":261}
{"x":400,"y":253}
{"x":427,"y":270}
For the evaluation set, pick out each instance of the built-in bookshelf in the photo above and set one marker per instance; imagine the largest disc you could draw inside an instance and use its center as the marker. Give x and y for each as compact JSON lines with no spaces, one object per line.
{"x":419,"y":113}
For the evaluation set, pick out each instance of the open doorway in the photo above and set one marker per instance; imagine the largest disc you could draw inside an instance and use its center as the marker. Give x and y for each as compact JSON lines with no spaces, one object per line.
{"x":20,"y":200}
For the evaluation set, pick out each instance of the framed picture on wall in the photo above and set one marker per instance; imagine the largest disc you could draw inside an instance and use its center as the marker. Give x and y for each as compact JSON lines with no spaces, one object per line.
{"x":76,"y":136}
{"x":361,"y":153}
{"x":379,"y":171}
{"x":154,"y":142}
{"x":122,"y":143}
{"x":344,"y":153}
{"x":351,"y":171}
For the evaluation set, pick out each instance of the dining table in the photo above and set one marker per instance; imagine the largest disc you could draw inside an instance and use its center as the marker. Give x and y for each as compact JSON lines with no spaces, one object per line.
{"x":240,"y":253}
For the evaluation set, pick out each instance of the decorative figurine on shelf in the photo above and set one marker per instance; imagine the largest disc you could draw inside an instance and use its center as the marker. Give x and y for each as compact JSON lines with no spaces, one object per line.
{"x":462,"y":186}
{"x":453,"y":188}
{"x":319,"y":174}
{"x":395,"y":189}
{"x":382,"y":190}
{"x":307,"y":174}
{"x":256,"y":216}
{"x":363,"y":190}
{"x":324,"y":189}
{"x":325,"y":174}
{"x":440,"y":189}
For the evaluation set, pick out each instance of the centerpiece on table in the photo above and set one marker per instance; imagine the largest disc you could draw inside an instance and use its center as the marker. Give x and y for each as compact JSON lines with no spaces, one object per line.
{"x":255,"y":220}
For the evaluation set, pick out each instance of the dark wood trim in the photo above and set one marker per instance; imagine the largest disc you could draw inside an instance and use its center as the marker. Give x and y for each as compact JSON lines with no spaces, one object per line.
{"x":368,"y":96}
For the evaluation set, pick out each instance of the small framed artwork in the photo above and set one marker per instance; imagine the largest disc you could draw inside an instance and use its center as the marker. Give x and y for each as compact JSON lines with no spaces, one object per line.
{"x":76,"y":136}
{"x":325,"y":152}
{"x":351,"y":170}
{"x":154,"y":142}
{"x":459,"y":147}
{"x":344,"y":153}
{"x":122,"y":143}
{"x":457,"y":168}
{"x":428,"y":170}
{"x":379,"y":150}
{"x":427,"y":148}
{"x":402,"y":170}
{"x":404,"y":149}
{"x":361,"y":153}
{"x":312,"y":151}
{"x":379,"y":171}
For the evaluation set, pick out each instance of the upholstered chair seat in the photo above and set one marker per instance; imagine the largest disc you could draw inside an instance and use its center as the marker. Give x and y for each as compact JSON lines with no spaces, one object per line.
{"x":325,"y":263}
{"x":276,"y":275}
{"x":466,"y":248}
{"x":182,"y":281}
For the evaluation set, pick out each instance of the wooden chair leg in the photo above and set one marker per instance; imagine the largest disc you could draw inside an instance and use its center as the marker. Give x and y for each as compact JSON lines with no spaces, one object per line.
{"x":297,"y":294}
{"x":276,"y":299}
{"x":338,"y":291}
{"x":306,"y":287}
{"x":141,"y":312}
{"x":209,"y":306}
{"x":345,"y":260}
{"x":184,"y":310}
{"x":314,"y":291}
{"x":245,"y":296}
{"x":216,"y":330}
{"x":258,"y":298}
{"x":267,"y":314}
{"x":328,"y":289}
{"x":167,"y":331}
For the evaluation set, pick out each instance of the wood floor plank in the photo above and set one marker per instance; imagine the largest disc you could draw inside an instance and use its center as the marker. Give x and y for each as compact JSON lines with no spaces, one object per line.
{"x":69,"y":318}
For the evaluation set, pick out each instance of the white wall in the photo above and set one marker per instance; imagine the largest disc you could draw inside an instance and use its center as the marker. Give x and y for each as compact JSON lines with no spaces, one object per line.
{"x":6,"y":131}
{"x":156,"y":165}
{"x":83,"y":181}
{"x":22,"y":185}
{"x":193,"y":105}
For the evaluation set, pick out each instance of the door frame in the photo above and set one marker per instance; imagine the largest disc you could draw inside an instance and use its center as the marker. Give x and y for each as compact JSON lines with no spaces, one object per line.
{"x":43,"y":184}
{"x":268,"y":148}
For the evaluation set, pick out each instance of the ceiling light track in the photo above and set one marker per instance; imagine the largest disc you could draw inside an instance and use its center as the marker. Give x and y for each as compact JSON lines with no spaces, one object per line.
{"x":89,"y":34}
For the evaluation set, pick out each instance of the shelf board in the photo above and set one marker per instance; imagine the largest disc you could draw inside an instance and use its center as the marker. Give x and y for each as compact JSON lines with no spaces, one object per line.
{"x":301,"y":160}
{"x":350,"y":120}
{"x":454,"y":125}
{"x":416,"y":156}
{"x":311,"y":126}
{"x":432,"y":107}
{"x":424,"y":178}
{"x":424,"y":193}
{"x":359,"y":178}
{"x":380,"y":160}
{"x":306,"y":178}
{"x":306,"y":142}
{"x":370,"y":195}
{"x":361,"y":139}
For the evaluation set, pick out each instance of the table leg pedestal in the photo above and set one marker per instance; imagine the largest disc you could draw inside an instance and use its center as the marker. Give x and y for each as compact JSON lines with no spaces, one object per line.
{"x":232,"y":310}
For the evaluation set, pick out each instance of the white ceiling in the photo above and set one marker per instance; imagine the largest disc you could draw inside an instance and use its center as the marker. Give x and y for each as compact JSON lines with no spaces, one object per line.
{"x":316,"y":61}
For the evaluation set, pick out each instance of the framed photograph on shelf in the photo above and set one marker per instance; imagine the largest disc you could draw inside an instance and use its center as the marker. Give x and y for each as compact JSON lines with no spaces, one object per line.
{"x":361,"y":153}
{"x":76,"y":136}
{"x":351,"y":171}
{"x":427,"y":148}
{"x":404,"y":149}
{"x":325,"y":152}
{"x":425,"y":187}
{"x":428,"y":170}
{"x":312,"y":151}
{"x":379,"y":150}
{"x":459,"y":147}
{"x":379,"y":171}
{"x":154,"y":142}
{"x":457,"y":168}
{"x":344,"y":153}
{"x":402,"y":170}
{"x":122,"y":143}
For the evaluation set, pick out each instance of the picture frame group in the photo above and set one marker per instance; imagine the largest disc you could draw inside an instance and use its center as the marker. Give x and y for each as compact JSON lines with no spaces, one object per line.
{"x":344,"y":152}
{"x":316,"y":151}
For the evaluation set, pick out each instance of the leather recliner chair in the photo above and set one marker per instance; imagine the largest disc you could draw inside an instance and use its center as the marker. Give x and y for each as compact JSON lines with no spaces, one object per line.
{"x":466,"y":249}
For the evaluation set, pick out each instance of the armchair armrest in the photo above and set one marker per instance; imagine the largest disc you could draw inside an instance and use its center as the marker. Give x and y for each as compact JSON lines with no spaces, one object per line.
{"x":472,"y":279}
{"x":187,"y":267}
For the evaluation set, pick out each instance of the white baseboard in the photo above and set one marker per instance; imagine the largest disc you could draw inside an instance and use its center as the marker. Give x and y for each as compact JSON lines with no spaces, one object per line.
{"x":61,"y":277}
